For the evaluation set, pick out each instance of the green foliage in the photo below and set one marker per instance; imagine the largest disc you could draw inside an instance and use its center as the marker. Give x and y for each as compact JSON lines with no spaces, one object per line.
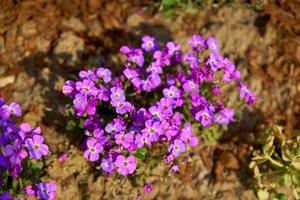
{"x":140,"y":153}
{"x":32,"y":171}
{"x":172,"y":7}
{"x":277,"y":165}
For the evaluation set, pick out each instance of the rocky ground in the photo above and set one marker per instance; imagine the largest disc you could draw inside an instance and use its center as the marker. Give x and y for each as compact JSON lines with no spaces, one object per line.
{"x":43,"y":43}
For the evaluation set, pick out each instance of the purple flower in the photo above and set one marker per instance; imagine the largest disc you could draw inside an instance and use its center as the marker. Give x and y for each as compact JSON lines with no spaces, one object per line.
{"x":152,"y":82}
{"x":117,"y":82}
{"x":216,"y":90}
{"x":169,"y":130}
{"x":177,"y":147}
{"x":198,"y":101}
{"x":36,"y":147}
{"x":121,"y":106}
{"x":105,"y":74}
{"x":192,"y":59}
{"x":46,"y":190}
{"x":155,"y":80}
{"x":174,"y":50}
{"x":5,"y":196}
{"x":98,"y":133}
{"x":225,"y":116}
{"x":190,"y":87}
{"x":148,"y":188}
{"x":62,"y":158}
{"x":142,"y":116}
{"x":172,"y":92}
{"x":138,"y":83}
{"x":214,"y":61}
{"x":89,"y":74}
{"x":29,"y":190}
{"x":130,"y":74}
{"x":137,"y":57}
{"x":107,"y":165}
{"x":177,"y":118}
{"x":161,"y":58}
{"x":12,"y":109}
{"x":175,"y":169}
{"x":80,"y":101}
{"x":15,"y":152}
{"x":92,"y":122}
{"x":141,"y":140}
{"x":117,"y":94}
{"x":154,"y":68}
{"x":124,"y":139}
{"x":103,"y":93}
{"x":212,"y":44}
{"x":124,"y":165}
{"x":4,"y":162}
{"x":87,"y":87}
{"x":125,"y":50}
{"x":205,"y":117}
{"x":68,"y":88}
{"x":155,"y":112}
{"x":94,"y":148}
{"x":187,"y":135}
{"x":246,"y":94}
{"x":152,"y":129}
{"x":231,"y":76}
{"x":169,"y":159}
{"x":25,"y":130}
{"x":114,"y":127}
{"x":197,"y":42}
{"x":166,"y":106}
{"x":149,"y":43}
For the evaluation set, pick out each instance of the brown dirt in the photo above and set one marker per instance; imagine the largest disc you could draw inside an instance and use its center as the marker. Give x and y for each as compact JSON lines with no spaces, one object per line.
{"x":43,"y":43}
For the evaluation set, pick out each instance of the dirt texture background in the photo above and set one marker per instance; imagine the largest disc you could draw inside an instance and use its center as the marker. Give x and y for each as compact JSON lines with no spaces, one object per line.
{"x":45,"y":42}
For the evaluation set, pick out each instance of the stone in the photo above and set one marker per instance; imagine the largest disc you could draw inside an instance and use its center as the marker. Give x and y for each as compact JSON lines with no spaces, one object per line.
{"x":7,"y":80}
{"x":2,"y":46}
{"x":95,"y":29}
{"x":28,"y":29}
{"x":75,"y":24}
{"x":42,"y":44}
{"x":69,"y":48}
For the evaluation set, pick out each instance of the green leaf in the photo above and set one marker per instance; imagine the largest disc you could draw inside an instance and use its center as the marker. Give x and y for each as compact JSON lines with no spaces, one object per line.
{"x":182,"y":3}
{"x":267,"y":131}
{"x":37,"y":166}
{"x":168,"y":13}
{"x":266,"y":148}
{"x":295,"y":179}
{"x":70,"y":125}
{"x":297,"y":152}
{"x":140,"y":153}
{"x":142,"y":150}
{"x":283,"y":181}
{"x":282,"y":196}
{"x":168,"y":3}
{"x":263,"y":194}
{"x":192,"y":9}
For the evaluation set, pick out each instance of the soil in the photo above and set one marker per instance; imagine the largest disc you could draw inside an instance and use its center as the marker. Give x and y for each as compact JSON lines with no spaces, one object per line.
{"x":43,"y":43}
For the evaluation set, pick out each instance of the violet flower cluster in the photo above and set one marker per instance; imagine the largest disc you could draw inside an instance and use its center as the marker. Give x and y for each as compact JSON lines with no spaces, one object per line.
{"x":158,"y":98}
{"x":17,"y":145}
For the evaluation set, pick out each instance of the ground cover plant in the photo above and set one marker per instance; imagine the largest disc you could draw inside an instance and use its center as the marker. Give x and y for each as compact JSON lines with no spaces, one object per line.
{"x":277,"y":165}
{"x":21,"y":150}
{"x":170,"y":8}
{"x":157,"y":108}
